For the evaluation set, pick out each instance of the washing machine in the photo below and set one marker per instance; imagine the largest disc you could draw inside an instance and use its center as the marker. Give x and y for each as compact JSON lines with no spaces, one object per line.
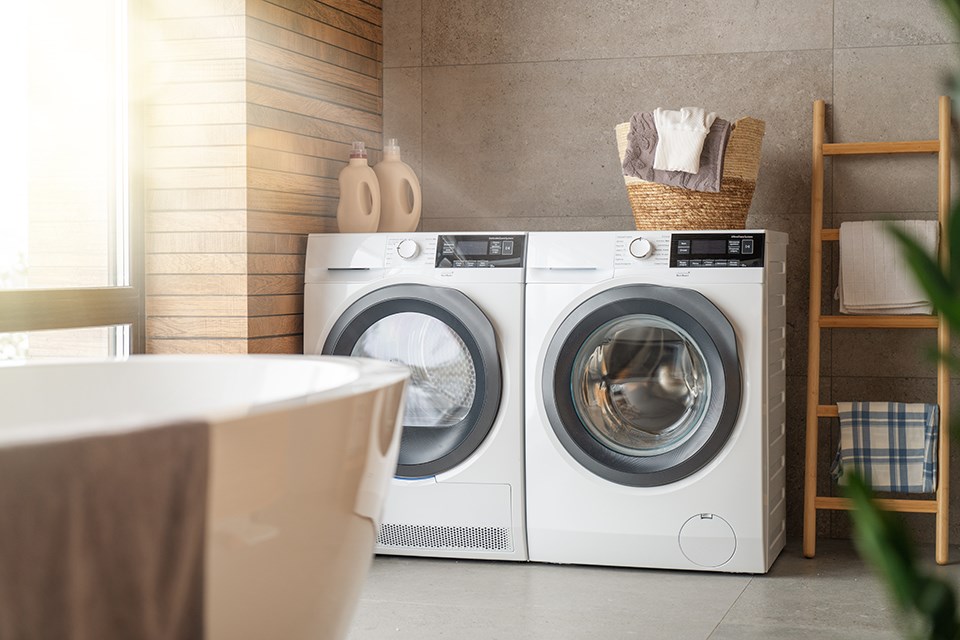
{"x":450,"y":307}
{"x":655,"y":405}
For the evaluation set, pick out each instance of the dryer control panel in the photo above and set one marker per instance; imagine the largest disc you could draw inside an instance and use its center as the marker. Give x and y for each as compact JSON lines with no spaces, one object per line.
{"x":713,"y":250}
{"x":473,"y":251}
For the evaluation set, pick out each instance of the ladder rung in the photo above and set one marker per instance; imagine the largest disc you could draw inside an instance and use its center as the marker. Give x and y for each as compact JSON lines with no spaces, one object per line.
{"x":888,"y":504}
{"x":827,"y":411}
{"x":879,"y":322}
{"x":830,"y":235}
{"x":865,"y":148}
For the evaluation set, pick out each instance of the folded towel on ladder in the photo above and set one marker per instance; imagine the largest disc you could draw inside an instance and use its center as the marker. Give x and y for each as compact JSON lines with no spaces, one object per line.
{"x":874,"y":277}
{"x":892,"y":444}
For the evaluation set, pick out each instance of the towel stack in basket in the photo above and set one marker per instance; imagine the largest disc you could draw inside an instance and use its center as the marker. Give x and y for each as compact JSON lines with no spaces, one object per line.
{"x":689,"y":169}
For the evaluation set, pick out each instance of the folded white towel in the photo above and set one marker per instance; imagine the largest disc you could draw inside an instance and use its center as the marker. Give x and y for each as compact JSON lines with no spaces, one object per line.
{"x":874,"y":274}
{"x":680,"y":138}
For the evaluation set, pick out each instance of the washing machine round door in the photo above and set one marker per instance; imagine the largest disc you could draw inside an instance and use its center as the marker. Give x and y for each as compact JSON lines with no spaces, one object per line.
{"x":642,"y":383}
{"x":448,"y":343}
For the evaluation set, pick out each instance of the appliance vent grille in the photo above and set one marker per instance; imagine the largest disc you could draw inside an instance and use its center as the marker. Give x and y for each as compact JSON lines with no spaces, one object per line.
{"x":432,"y":537}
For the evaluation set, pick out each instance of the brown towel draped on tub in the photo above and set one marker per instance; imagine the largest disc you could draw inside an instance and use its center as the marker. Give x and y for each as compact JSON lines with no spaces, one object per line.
{"x":102,"y":537}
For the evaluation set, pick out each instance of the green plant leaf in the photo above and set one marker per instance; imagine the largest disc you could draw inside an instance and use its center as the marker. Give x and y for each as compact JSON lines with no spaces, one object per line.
{"x":882,"y":540}
{"x":938,"y":288}
{"x":953,"y":233}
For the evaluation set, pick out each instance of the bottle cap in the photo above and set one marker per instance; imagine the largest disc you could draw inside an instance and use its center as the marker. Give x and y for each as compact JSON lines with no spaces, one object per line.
{"x":358,"y":150}
{"x":391,"y":146}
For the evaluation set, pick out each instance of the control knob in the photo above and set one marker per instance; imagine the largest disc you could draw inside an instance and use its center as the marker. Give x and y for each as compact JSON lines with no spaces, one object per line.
{"x":641,"y":248}
{"x":408,"y":249}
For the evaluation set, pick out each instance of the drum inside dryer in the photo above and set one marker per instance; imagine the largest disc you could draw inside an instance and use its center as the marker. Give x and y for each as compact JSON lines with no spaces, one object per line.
{"x":642,"y":385}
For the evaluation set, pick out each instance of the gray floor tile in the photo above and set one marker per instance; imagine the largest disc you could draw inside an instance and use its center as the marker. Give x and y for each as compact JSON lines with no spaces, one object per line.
{"x":831,"y":596}
{"x":735,"y":631}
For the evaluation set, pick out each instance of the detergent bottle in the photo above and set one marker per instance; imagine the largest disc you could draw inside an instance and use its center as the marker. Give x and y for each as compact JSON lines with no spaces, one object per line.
{"x":359,"y":208}
{"x":400,"y":198}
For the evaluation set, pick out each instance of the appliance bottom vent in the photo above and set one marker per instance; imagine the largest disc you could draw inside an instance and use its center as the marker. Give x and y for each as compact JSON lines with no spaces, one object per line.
{"x":432,"y":537}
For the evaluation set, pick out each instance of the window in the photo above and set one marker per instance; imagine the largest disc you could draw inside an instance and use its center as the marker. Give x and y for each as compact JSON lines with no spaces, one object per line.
{"x":66,"y":227}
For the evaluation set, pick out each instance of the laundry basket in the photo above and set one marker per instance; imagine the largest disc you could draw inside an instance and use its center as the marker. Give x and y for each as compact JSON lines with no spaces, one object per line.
{"x":658,"y":206}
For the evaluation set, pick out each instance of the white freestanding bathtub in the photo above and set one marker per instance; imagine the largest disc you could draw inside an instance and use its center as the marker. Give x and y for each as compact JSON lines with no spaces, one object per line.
{"x":301,"y":452}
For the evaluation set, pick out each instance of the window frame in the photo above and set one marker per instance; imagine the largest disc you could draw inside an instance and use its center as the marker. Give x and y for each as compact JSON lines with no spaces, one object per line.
{"x":24,"y":310}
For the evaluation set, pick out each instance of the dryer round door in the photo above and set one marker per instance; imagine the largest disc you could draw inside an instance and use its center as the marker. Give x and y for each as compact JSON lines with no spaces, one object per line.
{"x":642,"y":384}
{"x":450,"y":346}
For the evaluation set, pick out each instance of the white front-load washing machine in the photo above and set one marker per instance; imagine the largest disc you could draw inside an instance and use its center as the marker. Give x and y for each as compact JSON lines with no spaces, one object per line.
{"x":655,"y":406}
{"x":450,"y":307}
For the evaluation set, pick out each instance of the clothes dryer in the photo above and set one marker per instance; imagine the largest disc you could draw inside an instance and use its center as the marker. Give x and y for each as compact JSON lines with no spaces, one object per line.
{"x":450,"y":307}
{"x":656,"y":399}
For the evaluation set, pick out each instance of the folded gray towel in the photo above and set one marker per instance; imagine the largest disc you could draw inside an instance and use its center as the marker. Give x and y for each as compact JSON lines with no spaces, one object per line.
{"x":102,"y":537}
{"x":642,"y":146}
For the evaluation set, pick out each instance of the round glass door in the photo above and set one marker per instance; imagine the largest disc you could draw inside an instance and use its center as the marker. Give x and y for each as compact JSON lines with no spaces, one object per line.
{"x":443,"y":379}
{"x":449,"y":345}
{"x":641,"y":383}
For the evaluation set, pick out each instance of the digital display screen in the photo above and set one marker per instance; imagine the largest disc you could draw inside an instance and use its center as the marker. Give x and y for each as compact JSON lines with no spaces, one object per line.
{"x":472,"y":247}
{"x":716,"y":250}
{"x":455,"y":251}
{"x":700,"y":247}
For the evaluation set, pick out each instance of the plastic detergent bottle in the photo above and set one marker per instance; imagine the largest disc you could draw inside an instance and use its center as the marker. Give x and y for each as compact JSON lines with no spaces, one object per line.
{"x":399,"y":191}
{"x":359,"y":208}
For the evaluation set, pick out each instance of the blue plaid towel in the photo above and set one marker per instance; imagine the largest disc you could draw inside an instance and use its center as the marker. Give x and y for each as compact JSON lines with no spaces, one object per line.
{"x":892,"y":444}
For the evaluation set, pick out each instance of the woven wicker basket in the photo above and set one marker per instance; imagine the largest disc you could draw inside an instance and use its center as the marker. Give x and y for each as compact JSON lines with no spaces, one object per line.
{"x":662,"y":207}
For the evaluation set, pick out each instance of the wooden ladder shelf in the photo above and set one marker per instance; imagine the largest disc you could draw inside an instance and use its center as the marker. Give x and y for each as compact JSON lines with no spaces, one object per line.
{"x":817,"y":322}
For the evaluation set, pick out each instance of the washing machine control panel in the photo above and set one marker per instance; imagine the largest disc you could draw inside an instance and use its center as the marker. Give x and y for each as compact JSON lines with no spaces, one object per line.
{"x":713,"y":250}
{"x":480,"y":251}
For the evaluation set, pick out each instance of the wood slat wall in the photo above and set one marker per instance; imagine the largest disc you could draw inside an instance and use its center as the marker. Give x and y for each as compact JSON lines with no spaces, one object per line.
{"x":195,"y":177}
{"x":255,"y":106}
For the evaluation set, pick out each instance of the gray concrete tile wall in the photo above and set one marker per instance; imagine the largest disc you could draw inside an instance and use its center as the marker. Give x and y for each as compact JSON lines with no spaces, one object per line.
{"x":508,"y":109}
{"x":466,"y":32}
{"x":885,"y":23}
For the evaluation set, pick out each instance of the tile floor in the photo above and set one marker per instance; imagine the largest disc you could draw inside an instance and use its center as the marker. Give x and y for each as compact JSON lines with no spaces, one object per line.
{"x":831,"y":597}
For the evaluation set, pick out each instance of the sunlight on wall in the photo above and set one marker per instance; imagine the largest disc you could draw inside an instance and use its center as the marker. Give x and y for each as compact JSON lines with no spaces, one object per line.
{"x":60,"y":172}
{"x":63,"y":169}
{"x":13,"y":170}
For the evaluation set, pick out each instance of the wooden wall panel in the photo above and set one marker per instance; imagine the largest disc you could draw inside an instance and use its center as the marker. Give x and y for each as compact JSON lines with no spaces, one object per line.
{"x":195,"y":177}
{"x":255,"y":107}
{"x":314,"y":85}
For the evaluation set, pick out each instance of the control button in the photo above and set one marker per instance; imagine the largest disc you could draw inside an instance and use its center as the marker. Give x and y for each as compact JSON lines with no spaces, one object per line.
{"x":695,"y":263}
{"x":408,"y":249}
{"x":507,"y":249}
{"x":641,"y":248}
{"x":733,"y":247}
{"x":494,"y":248}
{"x":746,"y":246}
{"x":683,"y":263}
{"x":708,"y":263}
{"x":445,"y":263}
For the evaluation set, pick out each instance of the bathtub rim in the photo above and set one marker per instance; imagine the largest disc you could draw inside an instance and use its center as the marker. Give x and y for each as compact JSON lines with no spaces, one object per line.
{"x":370,"y":375}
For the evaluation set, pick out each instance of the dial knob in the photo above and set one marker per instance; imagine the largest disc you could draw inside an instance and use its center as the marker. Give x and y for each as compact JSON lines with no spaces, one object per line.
{"x":641,"y":248}
{"x":408,"y":249}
